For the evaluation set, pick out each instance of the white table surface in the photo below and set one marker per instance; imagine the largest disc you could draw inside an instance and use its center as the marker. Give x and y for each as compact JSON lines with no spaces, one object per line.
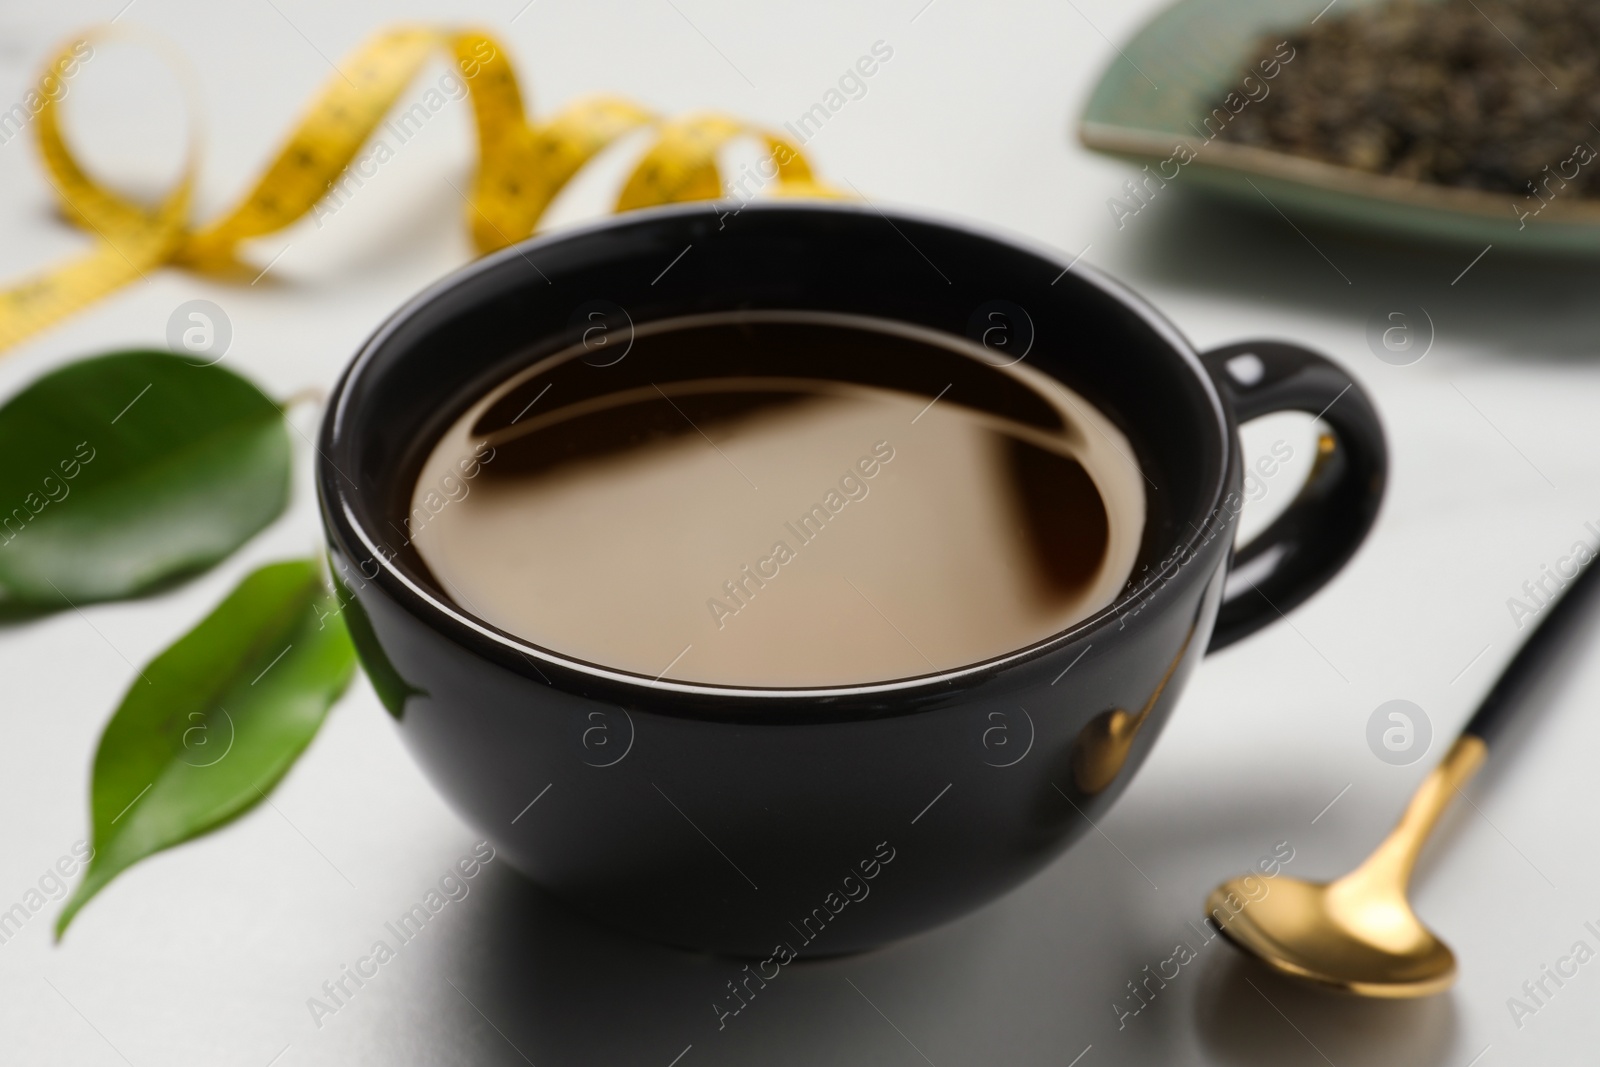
{"x":207,"y":954}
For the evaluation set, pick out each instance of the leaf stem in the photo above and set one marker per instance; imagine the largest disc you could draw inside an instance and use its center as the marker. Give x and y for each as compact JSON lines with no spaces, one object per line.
{"x":311,"y":394}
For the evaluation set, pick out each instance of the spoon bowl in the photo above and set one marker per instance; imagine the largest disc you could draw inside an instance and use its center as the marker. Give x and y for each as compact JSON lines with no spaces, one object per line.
{"x":1342,"y":935}
{"x":1357,"y":934}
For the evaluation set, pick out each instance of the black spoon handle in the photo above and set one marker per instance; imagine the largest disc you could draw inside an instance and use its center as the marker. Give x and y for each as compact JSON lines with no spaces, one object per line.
{"x":1552,"y":626}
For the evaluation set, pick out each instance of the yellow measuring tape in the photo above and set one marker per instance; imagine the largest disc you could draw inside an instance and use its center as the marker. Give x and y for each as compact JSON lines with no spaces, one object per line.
{"x":522,"y":165}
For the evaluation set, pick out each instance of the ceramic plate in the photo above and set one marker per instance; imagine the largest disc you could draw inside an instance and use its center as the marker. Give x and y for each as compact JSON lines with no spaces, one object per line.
{"x":1179,"y":70}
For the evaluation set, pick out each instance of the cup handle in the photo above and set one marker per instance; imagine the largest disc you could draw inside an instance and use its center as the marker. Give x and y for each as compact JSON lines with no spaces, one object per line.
{"x":1308,"y":544}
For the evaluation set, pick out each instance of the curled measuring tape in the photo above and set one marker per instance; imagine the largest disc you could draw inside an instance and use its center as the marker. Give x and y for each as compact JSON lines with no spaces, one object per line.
{"x":522,"y":165}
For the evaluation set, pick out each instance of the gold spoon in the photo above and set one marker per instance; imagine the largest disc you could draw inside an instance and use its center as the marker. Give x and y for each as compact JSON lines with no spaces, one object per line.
{"x":1359,"y":934}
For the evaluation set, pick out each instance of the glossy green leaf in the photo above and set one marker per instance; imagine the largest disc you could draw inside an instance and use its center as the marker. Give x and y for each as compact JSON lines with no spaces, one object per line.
{"x":211,"y":724}
{"x":121,"y":473}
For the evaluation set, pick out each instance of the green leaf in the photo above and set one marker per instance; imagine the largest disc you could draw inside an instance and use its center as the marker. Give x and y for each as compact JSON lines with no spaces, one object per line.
{"x":212,"y":723}
{"x":125,"y":472}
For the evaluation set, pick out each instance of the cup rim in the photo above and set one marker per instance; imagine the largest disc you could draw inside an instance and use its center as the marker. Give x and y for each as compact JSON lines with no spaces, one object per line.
{"x":341,"y":516}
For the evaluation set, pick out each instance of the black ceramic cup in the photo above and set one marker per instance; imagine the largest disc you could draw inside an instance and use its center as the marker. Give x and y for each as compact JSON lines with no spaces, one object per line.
{"x":779,"y":822}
